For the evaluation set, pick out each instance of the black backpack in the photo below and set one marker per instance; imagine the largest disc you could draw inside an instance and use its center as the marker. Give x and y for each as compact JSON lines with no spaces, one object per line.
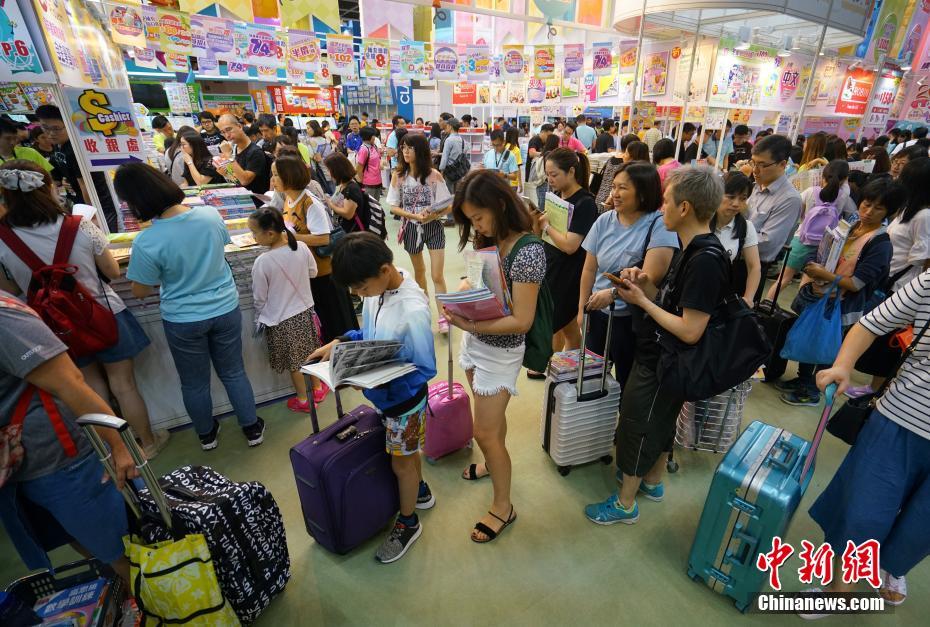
{"x":376,"y":224}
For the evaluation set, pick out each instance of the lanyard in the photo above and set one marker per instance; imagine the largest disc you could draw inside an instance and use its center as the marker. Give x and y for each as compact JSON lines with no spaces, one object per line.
{"x":499,"y":161}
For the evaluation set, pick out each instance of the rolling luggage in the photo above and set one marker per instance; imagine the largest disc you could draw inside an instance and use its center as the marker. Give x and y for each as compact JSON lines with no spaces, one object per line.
{"x":580,"y":415}
{"x":713,"y":424}
{"x":348,"y":492}
{"x":753,"y":495}
{"x":448,"y":422}
{"x":776,"y":322}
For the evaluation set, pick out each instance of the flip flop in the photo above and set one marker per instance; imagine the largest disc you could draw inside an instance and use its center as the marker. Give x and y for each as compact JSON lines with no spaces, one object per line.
{"x":480,"y":527}
{"x":471,"y":473}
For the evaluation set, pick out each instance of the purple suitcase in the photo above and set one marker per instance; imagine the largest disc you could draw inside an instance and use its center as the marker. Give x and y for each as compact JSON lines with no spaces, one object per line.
{"x":448,"y":421}
{"x":347,"y":490}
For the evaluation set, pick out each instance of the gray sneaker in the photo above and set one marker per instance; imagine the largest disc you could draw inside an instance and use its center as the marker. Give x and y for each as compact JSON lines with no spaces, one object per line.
{"x":396,"y":544}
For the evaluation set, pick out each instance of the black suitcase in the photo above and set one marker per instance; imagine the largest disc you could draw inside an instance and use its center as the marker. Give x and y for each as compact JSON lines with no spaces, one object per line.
{"x":776,"y":322}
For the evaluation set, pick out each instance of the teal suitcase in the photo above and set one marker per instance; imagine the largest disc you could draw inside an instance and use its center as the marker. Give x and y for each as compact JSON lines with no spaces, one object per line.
{"x":753,"y":495}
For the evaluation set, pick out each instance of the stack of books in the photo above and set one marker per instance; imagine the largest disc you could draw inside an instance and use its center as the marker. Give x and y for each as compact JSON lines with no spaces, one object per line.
{"x":489,"y":297}
{"x":476,"y":304}
{"x":564,"y":366}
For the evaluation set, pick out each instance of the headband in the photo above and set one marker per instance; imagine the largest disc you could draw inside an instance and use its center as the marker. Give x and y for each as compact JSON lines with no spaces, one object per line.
{"x":21,"y":180}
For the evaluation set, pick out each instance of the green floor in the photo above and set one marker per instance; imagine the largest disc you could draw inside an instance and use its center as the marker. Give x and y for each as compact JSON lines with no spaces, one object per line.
{"x":553,"y":567}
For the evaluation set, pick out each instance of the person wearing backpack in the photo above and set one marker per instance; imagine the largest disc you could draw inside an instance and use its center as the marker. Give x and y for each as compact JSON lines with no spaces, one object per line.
{"x":368,"y":163}
{"x":821,"y":208}
{"x":738,"y":235}
{"x":679,"y":309}
{"x":863,"y":266}
{"x":33,"y":225}
{"x":489,"y":213}
{"x":454,"y":163}
{"x":538,"y":170}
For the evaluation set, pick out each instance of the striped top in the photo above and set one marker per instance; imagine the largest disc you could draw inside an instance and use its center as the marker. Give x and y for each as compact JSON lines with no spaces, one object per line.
{"x":907,"y":399}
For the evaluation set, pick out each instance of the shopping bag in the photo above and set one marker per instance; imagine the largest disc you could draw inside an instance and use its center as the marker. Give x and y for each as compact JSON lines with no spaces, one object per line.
{"x":817,"y":334}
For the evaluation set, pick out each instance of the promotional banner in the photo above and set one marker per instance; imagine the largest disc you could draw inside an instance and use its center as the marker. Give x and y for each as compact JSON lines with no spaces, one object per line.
{"x":103,"y":122}
{"x":145,"y":57}
{"x":916,"y":32}
{"x":744,"y":77}
{"x":174,"y":32}
{"x":516,"y":93}
{"x":413,"y":60}
{"x":478,"y":63}
{"x":176,"y":62}
{"x":655,"y":73}
{"x":126,"y":25}
{"x":464,"y":94}
{"x":513,"y":63}
{"x":917,"y":105}
{"x":303,"y":100}
{"x":266,"y":46}
{"x":376,"y":53}
{"x":150,"y":19}
{"x":237,"y":70}
{"x":854,"y":94}
{"x":571,"y":87}
{"x":324,"y":77}
{"x":882,"y":98}
{"x":445,"y":62}
{"x":627,"y":56}
{"x":573,"y":61}
{"x":303,"y":50}
{"x":340,"y":54}
{"x":17,"y":51}
{"x":494,"y":71}
{"x":602,"y":56}
{"x":536,"y":91}
{"x":544,"y":62}
{"x":213,"y":37}
{"x":590,"y":88}
{"x":886,"y":25}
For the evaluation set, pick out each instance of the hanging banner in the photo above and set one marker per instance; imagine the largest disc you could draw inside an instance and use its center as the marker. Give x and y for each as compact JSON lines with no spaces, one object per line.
{"x":237,"y":70}
{"x":176,"y":62}
{"x":655,"y":73}
{"x":445,"y":62}
{"x":174,"y":32}
{"x":536,"y":91}
{"x":888,"y":21}
{"x":590,"y":88}
{"x":376,"y":53}
{"x":854,"y":95}
{"x":266,"y":47}
{"x":571,"y":87}
{"x":513,"y":62}
{"x":464,"y":94}
{"x":573,"y":61}
{"x":303,"y":50}
{"x":208,"y":66}
{"x":104,"y":124}
{"x":882,"y":98}
{"x":213,"y":37}
{"x":910,"y":39}
{"x":627,"y":56}
{"x":478,"y":63}
{"x":413,"y":60}
{"x":499,"y":94}
{"x":339,"y":52}
{"x":544,"y":62}
{"x":554,"y":90}
{"x":744,"y":77}
{"x":494,"y":71}
{"x":602,"y":59}
{"x":150,"y":19}
{"x":266,"y":73}
{"x":145,"y":57}
{"x":324,"y":77}
{"x":126,"y":25}
{"x":17,"y":52}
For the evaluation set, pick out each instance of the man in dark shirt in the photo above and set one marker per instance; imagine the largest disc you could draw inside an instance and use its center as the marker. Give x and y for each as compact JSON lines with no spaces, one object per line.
{"x":210,"y":133}
{"x":607,"y":141}
{"x":537,"y":142}
{"x":685,"y":152}
{"x":742,"y":147}
{"x":249,"y":165}
{"x":679,"y":309}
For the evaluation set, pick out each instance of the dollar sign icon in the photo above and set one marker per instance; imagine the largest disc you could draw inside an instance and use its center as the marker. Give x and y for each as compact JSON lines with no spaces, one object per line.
{"x":99,"y":117}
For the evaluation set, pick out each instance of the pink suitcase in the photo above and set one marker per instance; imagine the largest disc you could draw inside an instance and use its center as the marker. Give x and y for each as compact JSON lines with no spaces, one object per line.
{"x":448,"y":420}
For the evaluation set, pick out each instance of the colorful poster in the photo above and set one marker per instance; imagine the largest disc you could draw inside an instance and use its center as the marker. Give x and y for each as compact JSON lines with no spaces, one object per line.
{"x":516,"y":92}
{"x":916,"y":31}
{"x":494,"y":69}
{"x":513,"y":62}
{"x":266,"y":47}
{"x":413,"y":60}
{"x":339,"y":52}
{"x":17,"y":51}
{"x":445,"y":62}
{"x":744,"y":77}
{"x":303,"y":50}
{"x":917,"y":105}
{"x":883,"y":96}
{"x":126,"y":25}
{"x":324,"y":77}
{"x":208,"y":66}
{"x":571,"y":87}
{"x":602,"y":58}
{"x":790,"y":80}
{"x":609,"y":87}
{"x":464,"y":93}
{"x":627,"y":56}
{"x":376,"y":53}
{"x":536,"y":91}
{"x":150,"y":19}
{"x":174,"y":32}
{"x":655,"y":73}
{"x":145,"y":57}
{"x":484,"y":94}
{"x":590,"y":87}
{"x":237,"y":70}
{"x":554,"y":90}
{"x":176,"y":62}
{"x":573,"y":61}
{"x":478,"y":63}
{"x":499,"y":94}
{"x":854,"y":93}
{"x":889,"y":20}
{"x":105,"y":126}
{"x":544,"y":62}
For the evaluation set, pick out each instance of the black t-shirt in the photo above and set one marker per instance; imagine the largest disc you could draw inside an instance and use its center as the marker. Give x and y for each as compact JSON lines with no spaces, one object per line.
{"x":604,"y":142}
{"x":206,"y":169}
{"x":583,"y":216}
{"x":536,"y":143}
{"x":354,"y":192}
{"x":65,"y":167}
{"x":212,"y":139}
{"x":254,"y":160}
{"x":740,"y":153}
{"x":693,"y":281}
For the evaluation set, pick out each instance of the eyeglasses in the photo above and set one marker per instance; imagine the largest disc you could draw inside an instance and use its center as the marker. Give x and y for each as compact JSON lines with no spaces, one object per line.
{"x":760,"y":166}
{"x":53,"y":129}
{"x":406,"y":148}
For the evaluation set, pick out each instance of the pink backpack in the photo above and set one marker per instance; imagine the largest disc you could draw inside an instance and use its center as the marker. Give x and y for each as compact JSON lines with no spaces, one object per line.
{"x":817,"y":219}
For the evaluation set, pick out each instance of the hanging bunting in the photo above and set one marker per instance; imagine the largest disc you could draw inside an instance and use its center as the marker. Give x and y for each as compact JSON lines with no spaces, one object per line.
{"x":376,"y":53}
{"x":573,"y":61}
{"x":126,"y":25}
{"x":341,"y":57}
{"x":544,"y":62}
{"x":150,"y":19}
{"x":513,"y":62}
{"x":602,"y":58}
{"x":237,"y":70}
{"x":304,"y":50}
{"x":174,"y":32}
{"x":445,"y":62}
{"x":478,"y":63}
{"x":412,"y":60}
{"x":266,"y":46}
{"x":324,"y":77}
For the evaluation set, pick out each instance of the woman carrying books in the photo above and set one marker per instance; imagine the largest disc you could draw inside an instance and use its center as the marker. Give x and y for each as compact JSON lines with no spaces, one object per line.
{"x":489,"y":213}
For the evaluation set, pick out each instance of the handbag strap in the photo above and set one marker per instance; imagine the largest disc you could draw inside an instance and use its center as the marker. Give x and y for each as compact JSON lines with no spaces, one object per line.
{"x":51,"y":409}
{"x":289,"y":280}
{"x":904,"y":356}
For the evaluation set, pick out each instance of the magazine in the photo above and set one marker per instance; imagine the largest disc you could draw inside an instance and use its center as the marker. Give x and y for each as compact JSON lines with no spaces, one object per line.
{"x":831,"y":246}
{"x":365,"y":364}
{"x":484,"y":270}
{"x":559,"y":213}
{"x":475,"y":304}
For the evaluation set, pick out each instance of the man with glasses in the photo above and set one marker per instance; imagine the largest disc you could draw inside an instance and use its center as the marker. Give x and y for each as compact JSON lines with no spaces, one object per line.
{"x":775,"y":205}
{"x":502,"y":160}
{"x":65,"y":166}
{"x":248,"y":164}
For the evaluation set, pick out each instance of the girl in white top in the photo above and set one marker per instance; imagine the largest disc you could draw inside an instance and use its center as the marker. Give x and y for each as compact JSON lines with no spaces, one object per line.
{"x":283,"y":299}
{"x":36,"y":218}
{"x":910,"y":230}
{"x":728,"y":225}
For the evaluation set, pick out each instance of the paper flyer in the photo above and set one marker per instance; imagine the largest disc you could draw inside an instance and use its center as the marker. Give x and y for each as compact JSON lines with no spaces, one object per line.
{"x":559,"y":213}
{"x":655,"y":73}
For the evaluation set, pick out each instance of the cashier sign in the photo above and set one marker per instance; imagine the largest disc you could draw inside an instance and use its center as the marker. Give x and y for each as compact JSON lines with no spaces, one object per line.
{"x":105,"y":125}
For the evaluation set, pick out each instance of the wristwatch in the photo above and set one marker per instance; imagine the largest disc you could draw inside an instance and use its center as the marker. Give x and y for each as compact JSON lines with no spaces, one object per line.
{"x":545,"y":230}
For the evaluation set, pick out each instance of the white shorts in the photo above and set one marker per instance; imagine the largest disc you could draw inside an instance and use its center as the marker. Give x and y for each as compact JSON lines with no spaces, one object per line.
{"x":494,"y":369}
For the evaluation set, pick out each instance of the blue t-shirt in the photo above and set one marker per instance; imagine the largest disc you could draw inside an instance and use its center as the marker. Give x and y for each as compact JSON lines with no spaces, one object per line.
{"x":392,"y":143}
{"x":586,"y":135}
{"x":184,"y":255}
{"x":618,"y":247}
{"x":710,"y":148}
{"x":505,"y":164}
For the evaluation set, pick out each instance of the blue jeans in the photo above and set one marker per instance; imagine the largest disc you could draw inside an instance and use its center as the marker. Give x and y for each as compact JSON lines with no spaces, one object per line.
{"x":194,"y":345}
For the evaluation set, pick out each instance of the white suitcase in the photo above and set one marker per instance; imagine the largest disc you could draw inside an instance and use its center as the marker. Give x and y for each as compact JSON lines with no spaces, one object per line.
{"x":580,"y":415}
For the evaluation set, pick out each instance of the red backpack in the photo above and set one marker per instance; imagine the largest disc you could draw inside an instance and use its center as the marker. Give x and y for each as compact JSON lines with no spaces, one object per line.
{"x":66,"y":306}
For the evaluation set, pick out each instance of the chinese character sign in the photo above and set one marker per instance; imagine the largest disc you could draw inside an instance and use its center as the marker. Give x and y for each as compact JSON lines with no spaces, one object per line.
{"x":573,"y":61}
{"x":104,"y":123}
{"x":174,"y":32}
{"x":340,"y":56}
{"x":265,"y":47}
{"x":445,"y":62}
{"x":126,"y":25}
{"x":602,"y":59}
{"x":413,"y":60}
{"x":858,"y":562}
{"x":17,"y":52}
{"x":304,"y":50}
{"x":376,"y":53}
{"x":478,"y":63}
{"x":855,"y":90}
{"x":544,"y":62}
{"x":513,"y":62}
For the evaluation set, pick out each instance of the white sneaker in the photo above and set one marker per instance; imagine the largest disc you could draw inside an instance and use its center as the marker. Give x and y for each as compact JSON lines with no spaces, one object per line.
{"x":895,"y":585}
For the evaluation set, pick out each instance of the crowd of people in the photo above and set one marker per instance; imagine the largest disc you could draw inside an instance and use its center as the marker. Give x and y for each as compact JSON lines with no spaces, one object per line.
{"x":630,"y":251}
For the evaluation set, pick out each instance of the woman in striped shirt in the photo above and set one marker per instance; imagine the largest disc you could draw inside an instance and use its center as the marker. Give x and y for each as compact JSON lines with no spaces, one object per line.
{"x":881,"y":491}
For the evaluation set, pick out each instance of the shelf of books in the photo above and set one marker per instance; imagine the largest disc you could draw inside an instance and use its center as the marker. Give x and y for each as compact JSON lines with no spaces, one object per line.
{"x":475,"y":144}
{"x":230,"y":202}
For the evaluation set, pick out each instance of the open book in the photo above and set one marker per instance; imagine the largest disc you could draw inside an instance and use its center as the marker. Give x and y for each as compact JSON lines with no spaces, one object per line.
{"x":365,"y":364}
{"x":559,"y":213}
{"x":489,"y":297}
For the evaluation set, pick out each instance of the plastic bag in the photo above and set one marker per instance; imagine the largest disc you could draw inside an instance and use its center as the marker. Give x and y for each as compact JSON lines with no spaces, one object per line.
{"x":817,"y":334}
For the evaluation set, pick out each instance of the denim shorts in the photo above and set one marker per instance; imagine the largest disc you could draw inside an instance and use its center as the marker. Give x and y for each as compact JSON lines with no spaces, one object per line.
{"x":132,"y":341}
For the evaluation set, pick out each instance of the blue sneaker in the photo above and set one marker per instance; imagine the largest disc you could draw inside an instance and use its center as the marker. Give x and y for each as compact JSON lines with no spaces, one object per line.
{"x":801,"y":398}
{"x":653,"y":493}
{"x":609,"y":512}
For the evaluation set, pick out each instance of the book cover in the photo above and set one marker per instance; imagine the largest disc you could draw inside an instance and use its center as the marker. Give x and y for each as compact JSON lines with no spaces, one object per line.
{"x":559,"y":213}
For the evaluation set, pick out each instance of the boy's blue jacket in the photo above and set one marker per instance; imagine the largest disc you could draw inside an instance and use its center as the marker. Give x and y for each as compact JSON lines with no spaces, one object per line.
{"x":402,"y":315}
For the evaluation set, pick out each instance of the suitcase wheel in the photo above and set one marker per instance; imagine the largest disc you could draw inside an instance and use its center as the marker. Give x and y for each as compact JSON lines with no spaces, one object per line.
{"x":470,"y":445}
{"x":564,"y":470}
{"x":607,"y":460}
{"x":671,"y":466}
{"x":430,"y":460}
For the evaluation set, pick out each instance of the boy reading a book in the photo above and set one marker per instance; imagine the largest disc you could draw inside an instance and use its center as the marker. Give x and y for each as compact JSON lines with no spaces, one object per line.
{"x":395,"y":308}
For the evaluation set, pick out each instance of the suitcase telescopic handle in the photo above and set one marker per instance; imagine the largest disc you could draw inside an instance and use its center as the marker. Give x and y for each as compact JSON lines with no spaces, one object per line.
{"x":829,"y":397}
{"x":582,"y":353}
{"x":90,"y":423}
{"x":449,"y":388}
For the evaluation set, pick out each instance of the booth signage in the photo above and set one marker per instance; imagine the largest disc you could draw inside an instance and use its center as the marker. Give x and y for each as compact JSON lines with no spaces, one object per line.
{"x":104,"y":123}
{"x":854,"y":94}
{"x":464,"y":93}
{"x":445,"y":62}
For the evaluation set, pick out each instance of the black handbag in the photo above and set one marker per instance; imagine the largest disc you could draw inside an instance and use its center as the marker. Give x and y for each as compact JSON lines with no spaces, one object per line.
{"x":848,"y":421}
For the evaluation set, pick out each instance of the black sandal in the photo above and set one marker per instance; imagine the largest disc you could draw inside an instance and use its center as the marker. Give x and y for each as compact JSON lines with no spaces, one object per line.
{"x":536,"y":376}
{"x":472,"y":473}
{"x":480,"y":527}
